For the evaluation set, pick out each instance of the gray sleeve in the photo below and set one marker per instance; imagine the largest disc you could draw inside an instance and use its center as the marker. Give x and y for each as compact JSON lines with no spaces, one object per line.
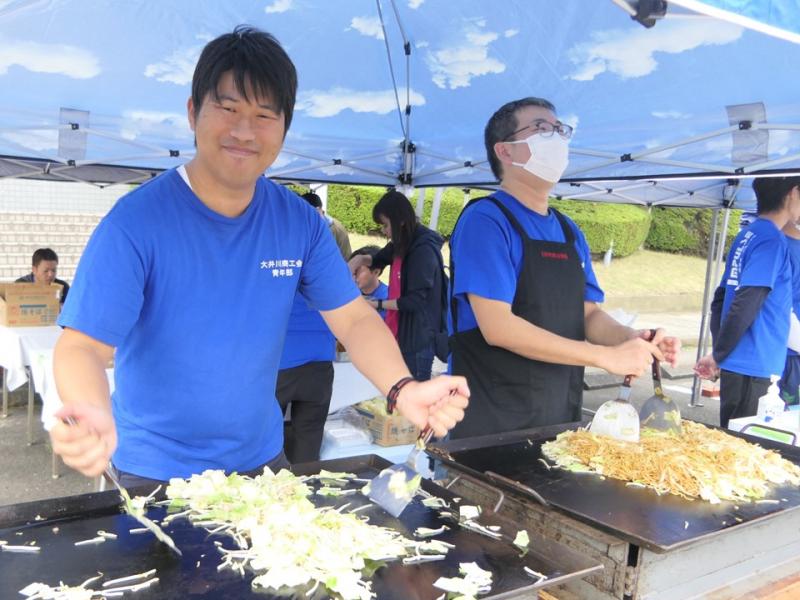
{"x":746,"y":304}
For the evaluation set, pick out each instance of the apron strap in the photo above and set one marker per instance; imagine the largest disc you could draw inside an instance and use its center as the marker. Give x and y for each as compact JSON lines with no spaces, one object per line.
{"x":569,"y":238}
{"x":569,"y":235}
{"x":453,"y":303}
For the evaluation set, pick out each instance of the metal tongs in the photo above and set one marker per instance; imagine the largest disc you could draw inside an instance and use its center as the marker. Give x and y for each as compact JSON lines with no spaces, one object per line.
{"x":129,"y":507}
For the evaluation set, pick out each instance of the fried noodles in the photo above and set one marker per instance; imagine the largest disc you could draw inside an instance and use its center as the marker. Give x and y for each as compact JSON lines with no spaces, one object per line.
{"x":701,"y":463}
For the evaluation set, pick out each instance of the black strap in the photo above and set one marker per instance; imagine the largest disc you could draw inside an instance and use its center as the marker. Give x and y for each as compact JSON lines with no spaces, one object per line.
{"x":569,"y":238}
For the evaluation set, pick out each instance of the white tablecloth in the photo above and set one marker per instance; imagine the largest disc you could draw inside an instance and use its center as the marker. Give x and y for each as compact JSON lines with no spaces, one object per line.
{"x":41,"y":365}
{"x":349,"y":386}
{"x":32,"y":347}
{"x":17,"y":344}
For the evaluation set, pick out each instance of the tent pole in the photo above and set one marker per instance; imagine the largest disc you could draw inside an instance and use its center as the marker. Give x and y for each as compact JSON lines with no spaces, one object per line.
{"x":437,"y":204}
{"x":701,"y":339}
{"x":420,"y":209}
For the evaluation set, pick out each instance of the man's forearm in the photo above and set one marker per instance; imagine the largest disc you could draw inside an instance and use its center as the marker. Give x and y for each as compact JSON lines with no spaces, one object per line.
{"x":80,"y":372}
{"x":603,"y":329}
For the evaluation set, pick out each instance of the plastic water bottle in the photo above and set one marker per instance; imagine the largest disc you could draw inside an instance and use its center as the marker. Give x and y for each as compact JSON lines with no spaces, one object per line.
{"x":770,"y":405}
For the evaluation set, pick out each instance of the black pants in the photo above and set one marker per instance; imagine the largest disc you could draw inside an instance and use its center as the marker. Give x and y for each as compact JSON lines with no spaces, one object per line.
{"x":308,"y":389}
{"x":129,"y":480}
{"x":738,"y":395}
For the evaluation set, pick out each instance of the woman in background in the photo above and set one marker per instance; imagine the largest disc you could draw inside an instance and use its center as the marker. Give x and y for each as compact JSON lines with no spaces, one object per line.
{"x":416,"y":307}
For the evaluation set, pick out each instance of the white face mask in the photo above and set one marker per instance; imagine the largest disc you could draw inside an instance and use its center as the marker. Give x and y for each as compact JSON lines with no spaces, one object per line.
{"x":549,"y":156}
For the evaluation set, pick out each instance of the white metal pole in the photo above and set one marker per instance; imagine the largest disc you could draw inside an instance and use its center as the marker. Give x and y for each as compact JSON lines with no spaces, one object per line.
{"x":420,"y":202}
{"x":437,"y":203}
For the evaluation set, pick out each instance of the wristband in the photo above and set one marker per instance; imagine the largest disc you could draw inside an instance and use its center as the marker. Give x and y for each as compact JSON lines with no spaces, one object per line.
{"x":391,"y":397}
{"x":380,"y":304}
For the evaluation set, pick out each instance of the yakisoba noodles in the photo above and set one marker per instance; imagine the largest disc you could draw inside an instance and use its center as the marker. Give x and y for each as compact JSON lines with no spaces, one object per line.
{"x":701,"y":463}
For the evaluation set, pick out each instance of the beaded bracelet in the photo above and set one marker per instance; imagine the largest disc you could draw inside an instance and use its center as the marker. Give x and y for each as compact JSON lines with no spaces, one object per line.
{"x":391,"y":397}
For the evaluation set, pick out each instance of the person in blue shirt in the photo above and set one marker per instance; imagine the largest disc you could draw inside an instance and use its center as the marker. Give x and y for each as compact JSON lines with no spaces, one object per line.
{"x":305,"y":381}
{"x":751,"y":306}
{"x":305,"y":377}
{"x":524,"y":299}
{"x":367,"y":279}
{"x":192,"y":278}
{"x":790,"y":380}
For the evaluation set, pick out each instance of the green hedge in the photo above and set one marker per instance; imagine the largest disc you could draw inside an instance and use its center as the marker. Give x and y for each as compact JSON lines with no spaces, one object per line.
{"x":601,"y":223}
{"x":352,"y":205}
{"x":677,"y":230}
{"x":686,"y":230}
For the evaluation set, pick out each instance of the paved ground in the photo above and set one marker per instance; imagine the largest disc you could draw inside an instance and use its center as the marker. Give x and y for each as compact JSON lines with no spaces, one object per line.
{"x":26,"y":470}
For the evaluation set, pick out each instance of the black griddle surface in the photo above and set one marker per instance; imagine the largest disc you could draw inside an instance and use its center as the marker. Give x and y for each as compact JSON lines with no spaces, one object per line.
{"x":660,"y":523}
{"x":80,"y":517}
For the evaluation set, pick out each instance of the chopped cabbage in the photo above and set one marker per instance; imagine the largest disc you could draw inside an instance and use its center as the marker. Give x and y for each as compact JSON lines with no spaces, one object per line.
{"x":285,"y":539}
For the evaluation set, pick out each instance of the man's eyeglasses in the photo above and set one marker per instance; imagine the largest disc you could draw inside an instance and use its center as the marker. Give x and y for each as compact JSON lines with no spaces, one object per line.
{"x":545,"y":128}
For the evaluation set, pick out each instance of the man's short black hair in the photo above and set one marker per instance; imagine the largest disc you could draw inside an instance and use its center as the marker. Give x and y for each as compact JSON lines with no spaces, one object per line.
{"x":254,"y":57}
{"x":503,"y":123}
{"x":313,"y":199}
{"x":370,"y":251}
{"x":771,"y":192}
{"x":43,"y":254}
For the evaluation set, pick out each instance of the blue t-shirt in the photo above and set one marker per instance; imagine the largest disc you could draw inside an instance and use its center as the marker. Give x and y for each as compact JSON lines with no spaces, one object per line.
{"x":759,"y":257}
{"x":308,"y":338}
{"x":379,"y":293}
{"x":487,"y":252}
{"x":197,"y":305}
{"x":794,"y":260}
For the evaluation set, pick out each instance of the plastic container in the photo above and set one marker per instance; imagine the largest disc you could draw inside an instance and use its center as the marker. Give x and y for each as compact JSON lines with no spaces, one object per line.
{"x":770,"y":405}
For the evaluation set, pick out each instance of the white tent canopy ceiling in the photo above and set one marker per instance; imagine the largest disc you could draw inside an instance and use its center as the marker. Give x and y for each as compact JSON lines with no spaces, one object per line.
{"x":673,"y":103}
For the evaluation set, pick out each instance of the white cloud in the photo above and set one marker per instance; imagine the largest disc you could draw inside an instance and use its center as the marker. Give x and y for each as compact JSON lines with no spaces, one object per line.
{"x":284,"y":159}
{"x":655,"y":143}
{"x":422,"y":44}
{"x":632,"y":53}
{"x":571,"y":119}
{"x":781,"y":142}
{"x":456,"y":66}
{"x":320,"y":103}
{"x":38,"y":140}
{"x":176,"y":68}
{"x":415,"y":4}
{"x":337,"y":170}
{"x":510,"y":32}
{"x":369,"y":26}
{"x":278,"y":6}
{"x":59,"y":59}
{"x":718,"y":146}
{"x":670,"y":114}
{"x":169,"y":125}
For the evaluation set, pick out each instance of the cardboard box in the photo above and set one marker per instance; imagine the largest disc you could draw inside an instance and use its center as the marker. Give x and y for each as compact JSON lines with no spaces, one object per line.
{"x":29,"y":304}
{"x":386,"y":429}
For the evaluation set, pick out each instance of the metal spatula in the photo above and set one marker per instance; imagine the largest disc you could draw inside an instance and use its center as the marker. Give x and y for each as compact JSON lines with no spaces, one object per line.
{"x":618,"y":418}
{"x":129,"y":507}
{"x":659,"y":411}
{"x":395,"y":486}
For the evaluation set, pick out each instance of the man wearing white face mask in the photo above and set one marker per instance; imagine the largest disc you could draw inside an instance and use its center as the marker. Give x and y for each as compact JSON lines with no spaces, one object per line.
{"x":525,"y":319}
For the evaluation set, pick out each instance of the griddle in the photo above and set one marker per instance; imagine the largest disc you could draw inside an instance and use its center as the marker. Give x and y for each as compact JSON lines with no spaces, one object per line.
{"x":80,"y":517}
{"x":637,"y":515}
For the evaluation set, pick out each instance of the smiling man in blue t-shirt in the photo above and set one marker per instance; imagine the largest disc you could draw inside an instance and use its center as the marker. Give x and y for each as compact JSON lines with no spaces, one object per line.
{"x":524,"y":305}
{"x":192,"y":277}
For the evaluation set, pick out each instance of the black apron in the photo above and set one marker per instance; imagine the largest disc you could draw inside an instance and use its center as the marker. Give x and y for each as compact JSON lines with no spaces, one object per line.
{"x":509,"y":391}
